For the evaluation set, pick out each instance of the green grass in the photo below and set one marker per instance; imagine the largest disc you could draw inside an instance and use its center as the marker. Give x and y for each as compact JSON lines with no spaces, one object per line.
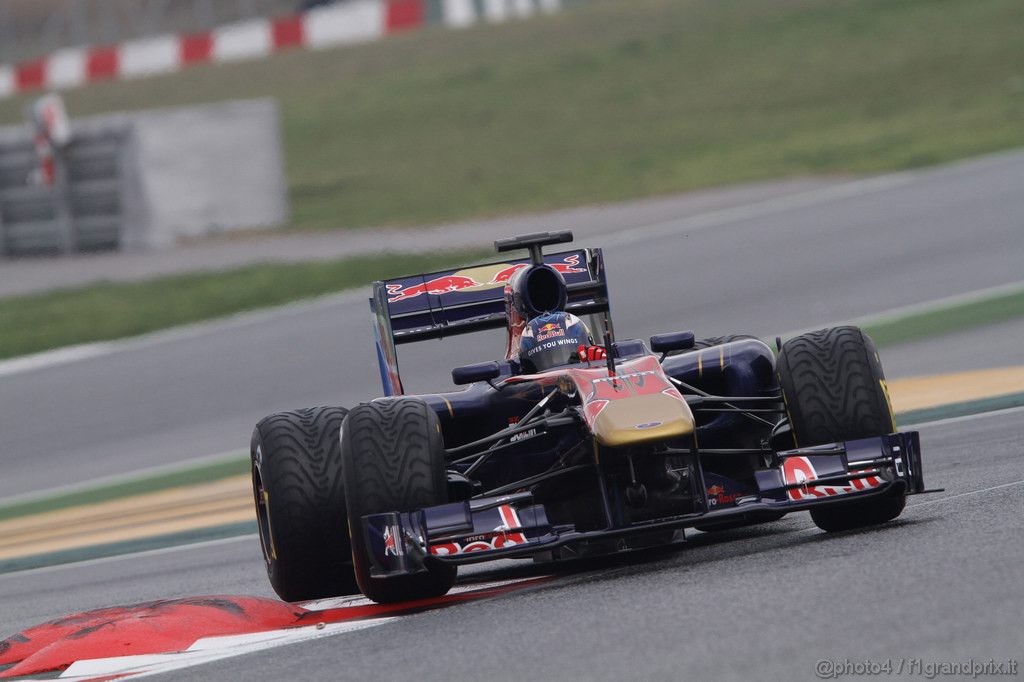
{"x":1003,"y":402}
{"x":90,"y":552}
{"x":29,"y":324}
{"x":947,"y":319}
{"x":617,"y":99}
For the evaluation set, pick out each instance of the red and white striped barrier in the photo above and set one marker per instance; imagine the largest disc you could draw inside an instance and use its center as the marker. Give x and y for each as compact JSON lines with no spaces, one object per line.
{"x":345,"y":23}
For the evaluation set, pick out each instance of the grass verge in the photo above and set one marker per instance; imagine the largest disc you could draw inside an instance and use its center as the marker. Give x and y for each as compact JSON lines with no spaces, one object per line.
{"x":947,"y":319}
{"x":972,"y":407}
{"x":101,"y":312}
{"x":188,"y":474}
{"x":159,"y":542}
{"x":615,"y":100}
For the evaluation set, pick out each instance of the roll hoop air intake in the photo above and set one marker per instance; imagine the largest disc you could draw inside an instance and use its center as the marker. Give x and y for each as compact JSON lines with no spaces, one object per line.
{"x":539,"y":288}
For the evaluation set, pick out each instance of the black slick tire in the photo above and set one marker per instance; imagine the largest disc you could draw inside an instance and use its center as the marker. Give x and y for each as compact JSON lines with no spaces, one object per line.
{"x":300,"y":503}
{"x":393,"y":457}
{"x":834,"y":389}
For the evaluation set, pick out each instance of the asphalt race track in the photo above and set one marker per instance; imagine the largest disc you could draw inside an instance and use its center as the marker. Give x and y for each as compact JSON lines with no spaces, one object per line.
{"x":943,"y":583}
{"x":765,"y":267}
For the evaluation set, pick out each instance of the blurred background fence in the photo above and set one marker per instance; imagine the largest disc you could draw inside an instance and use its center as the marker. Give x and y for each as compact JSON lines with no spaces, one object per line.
{"x":86,"y":210}
{"x":145,"y":179}
{"x":32,"y":28}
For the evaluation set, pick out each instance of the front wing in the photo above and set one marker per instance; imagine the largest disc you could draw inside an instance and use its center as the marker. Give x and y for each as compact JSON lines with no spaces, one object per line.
{"x":485,"y":529}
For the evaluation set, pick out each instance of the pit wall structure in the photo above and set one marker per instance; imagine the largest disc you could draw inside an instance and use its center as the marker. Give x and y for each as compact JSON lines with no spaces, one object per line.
{"x":345,"y":23}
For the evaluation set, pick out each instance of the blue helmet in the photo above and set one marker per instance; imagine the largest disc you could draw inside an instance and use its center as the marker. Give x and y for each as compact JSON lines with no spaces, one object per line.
{"x":552,"y":340}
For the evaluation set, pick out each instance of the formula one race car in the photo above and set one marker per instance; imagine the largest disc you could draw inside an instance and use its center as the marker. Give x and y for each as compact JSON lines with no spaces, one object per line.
{"x":567,"y":448}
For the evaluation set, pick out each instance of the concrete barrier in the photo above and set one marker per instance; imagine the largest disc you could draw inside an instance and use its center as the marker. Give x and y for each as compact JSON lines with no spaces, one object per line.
{"x":211,"y":169}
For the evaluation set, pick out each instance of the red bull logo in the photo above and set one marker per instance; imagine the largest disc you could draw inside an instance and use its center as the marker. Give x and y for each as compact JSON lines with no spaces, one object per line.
{"x":505,"y":274}
{"x":474,"y":278}
{"x":717,"y":496}
{"x":800,"y":471}
{"x":550,"y":331}
{"x":507,"y":534}
{"x":441,"y":285}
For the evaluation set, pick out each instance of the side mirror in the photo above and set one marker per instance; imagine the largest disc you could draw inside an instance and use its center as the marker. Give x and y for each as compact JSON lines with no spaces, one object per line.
{"x":664,"y":343}
{"x":470,"y":374}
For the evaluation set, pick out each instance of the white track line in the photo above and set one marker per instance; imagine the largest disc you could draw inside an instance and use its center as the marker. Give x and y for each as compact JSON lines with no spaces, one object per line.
{"x":937,"y":305}
{"x":969,"y":417}
{"x":54,"y":358}
{"x":62,"y":356}
{"x":947,"y":498}
{"x":130,"y":477}
{"x":760,"y":209}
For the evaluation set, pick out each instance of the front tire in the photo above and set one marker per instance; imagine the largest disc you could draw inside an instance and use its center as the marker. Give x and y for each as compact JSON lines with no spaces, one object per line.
{"x":393,"y":458}
{"x":834,"y":389}
{"x":300,"y":503}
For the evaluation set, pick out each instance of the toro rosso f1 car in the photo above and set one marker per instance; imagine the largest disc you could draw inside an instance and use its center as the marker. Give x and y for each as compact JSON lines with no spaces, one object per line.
{"x":594,"y":452}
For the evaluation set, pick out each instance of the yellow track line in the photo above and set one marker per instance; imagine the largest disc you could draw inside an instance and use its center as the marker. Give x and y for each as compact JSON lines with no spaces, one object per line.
{"x":140,"y":516}
{"x":916,"y":393}
{"x":197,"y":512}
{"x":120,"y":509}
{"x":166,"y":527}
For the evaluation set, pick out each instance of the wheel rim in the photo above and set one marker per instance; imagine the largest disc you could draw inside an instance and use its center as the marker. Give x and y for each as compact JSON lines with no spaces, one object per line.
{"x":263,"y":516}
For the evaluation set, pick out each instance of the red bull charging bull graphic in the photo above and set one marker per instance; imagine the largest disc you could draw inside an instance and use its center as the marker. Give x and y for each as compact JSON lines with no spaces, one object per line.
{"x":479,"y":278}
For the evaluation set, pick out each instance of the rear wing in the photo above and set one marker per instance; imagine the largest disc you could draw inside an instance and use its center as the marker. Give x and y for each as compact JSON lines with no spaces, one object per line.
{"x":451,"y":302}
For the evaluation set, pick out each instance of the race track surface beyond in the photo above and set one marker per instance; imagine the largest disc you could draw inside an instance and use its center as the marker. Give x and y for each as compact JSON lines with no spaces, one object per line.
{"x":944,"y":583}
{"x":765,"y":265}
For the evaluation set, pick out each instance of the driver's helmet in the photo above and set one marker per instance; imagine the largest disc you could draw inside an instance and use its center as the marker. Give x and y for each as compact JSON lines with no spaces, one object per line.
{"x":551,"y":340}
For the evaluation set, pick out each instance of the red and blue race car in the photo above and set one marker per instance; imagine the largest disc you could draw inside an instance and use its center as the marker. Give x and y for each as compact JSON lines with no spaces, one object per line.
{"x":571,"y":445}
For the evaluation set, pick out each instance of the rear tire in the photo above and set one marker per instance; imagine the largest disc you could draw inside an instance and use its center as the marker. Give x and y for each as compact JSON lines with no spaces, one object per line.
{"x":834,"y":389}
{"x":394,"y":461}
{"x":300,"y":503}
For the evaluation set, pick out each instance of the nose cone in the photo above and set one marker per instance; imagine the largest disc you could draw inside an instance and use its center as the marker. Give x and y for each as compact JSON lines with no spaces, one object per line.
{"x":634,"y":420}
